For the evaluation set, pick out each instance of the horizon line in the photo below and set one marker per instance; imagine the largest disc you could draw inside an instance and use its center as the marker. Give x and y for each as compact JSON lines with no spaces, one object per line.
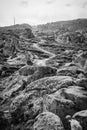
{"x":43,"y":23}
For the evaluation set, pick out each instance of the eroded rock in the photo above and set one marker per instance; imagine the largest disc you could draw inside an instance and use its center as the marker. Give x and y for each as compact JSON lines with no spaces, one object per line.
{"x":48,"y":120}
{"x":81,"y":116}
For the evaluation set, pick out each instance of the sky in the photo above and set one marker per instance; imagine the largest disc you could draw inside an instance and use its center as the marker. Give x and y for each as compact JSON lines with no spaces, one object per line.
{"x":36,"y":12}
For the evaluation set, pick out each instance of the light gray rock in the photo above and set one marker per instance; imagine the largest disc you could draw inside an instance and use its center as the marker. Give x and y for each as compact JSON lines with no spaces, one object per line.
{"x":48,"y":121}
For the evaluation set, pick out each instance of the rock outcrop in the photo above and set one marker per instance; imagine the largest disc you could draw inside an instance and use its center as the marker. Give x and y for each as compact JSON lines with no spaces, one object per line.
{"x":48,"y":120}
{"x":42,"y":80}
{"x":81,"y":116}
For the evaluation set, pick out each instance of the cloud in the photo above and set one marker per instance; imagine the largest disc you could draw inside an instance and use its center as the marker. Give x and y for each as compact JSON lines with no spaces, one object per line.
{"x":84,"y":4}
{"x":80,"y":3}
{"x":68,"y":5}
{"x":24,"y":3}
{"x":50,"y":1}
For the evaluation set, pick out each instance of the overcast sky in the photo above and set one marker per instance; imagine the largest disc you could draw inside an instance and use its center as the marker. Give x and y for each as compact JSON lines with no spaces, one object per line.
{"x":41,"y":11}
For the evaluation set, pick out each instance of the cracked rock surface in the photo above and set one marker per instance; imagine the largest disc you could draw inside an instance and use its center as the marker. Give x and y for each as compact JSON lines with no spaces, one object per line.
{"x":42,"y":80}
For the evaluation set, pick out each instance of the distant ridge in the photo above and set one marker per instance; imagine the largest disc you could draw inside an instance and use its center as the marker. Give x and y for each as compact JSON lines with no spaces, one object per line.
{"x":71,"y":25}
{"x":17,"y":26}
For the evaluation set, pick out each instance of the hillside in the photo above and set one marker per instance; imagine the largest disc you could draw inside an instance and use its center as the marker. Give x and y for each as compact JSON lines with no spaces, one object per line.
{"x":43,"y":76}
{"x":73,"y":32}
{"x":17,"y":26}
{"x":72,"y":25}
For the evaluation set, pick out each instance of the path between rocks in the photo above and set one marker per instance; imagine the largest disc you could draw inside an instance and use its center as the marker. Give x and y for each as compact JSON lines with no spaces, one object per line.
{"x":42,"y":62}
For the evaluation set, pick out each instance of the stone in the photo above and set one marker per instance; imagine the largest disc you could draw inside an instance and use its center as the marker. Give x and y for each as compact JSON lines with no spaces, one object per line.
{"x":81,"y":116}
{"x":73,"y":71}
{"x":78,"y":95}
{"x":41,"y":72}
{"x":48,"y":121}
{"x":50,"y":84}
{"x":27,"y":70}
{"x":82,"y":82}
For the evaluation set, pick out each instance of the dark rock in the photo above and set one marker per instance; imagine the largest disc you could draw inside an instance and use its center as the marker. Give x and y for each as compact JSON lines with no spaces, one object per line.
{"x":4,"y":123}
{"x":27,"y":33}
{"x":41,"y":72}
{"x":81,"y":116}
{"x":78,"y":95}
{"x":82,"y":82}
{"x":70,"y":70}
{"x":27,"y":70}
{"x":66,"y":101}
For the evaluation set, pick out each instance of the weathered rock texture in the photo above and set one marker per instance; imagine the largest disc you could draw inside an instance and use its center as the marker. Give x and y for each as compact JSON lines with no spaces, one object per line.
{"x":43,"y":78}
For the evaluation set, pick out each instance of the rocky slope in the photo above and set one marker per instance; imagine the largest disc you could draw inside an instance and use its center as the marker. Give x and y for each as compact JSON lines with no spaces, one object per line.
{"x":72,"y":25}
{"x":42,"y":78}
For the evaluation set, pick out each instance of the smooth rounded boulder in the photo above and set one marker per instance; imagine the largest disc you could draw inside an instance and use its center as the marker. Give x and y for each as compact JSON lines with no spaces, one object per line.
{"x":48,"y":121}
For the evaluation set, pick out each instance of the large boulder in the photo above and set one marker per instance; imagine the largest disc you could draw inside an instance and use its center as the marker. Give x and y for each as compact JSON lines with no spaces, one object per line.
{"x":24,"y":108}
{"x":4,"y":123}
{"x":41,"y":72}
{"x":18,"y":102}
{"x":81,"y":116}
{"x":48,"y":121}
{"x":58,"y":104}
{"x":13,"y":85}
{"x":27,"y":33}
{"x":65,"y":101}
{"x":78,"y":95}
{"x":21,"y":110}
{"x":56,"y":94}
{"x":81,"y":60}
{"x":82,"y":82}
{"x":50,"y":84}
{"x":73,"y":71}
{"x":27,"y":70}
